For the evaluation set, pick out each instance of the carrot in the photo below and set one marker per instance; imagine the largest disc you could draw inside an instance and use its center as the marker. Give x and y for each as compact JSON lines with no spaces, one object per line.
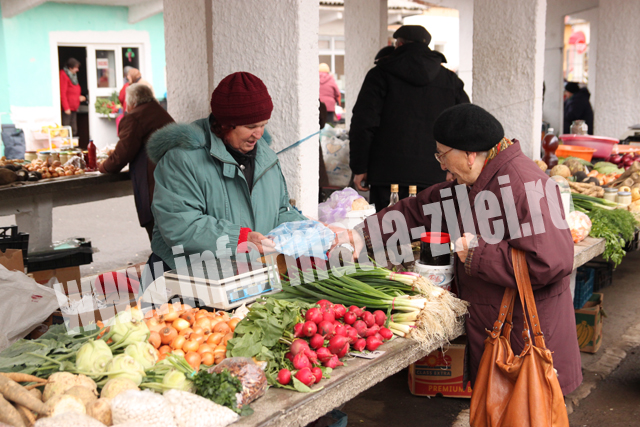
{"x":14,"y":392}
{"x":9,"y":414}
{"x":33,"y":386}
{"x":23,"y":378}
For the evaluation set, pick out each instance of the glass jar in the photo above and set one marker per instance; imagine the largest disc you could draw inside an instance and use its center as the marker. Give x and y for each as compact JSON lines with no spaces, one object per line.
{"x":610,"y":194}
{"x":435,"y":249}
{"x":624,"y":198}
{"x":579,"y":127}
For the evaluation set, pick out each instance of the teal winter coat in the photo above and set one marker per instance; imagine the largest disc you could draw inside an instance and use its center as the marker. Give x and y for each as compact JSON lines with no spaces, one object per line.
{"x":201,"y":195}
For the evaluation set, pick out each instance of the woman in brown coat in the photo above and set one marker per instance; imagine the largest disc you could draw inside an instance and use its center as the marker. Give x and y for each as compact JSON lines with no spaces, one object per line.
{"x":512,"y":204}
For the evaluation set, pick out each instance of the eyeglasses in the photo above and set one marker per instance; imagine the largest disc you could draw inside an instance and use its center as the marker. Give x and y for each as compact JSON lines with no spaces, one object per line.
{"x":440,"y":156}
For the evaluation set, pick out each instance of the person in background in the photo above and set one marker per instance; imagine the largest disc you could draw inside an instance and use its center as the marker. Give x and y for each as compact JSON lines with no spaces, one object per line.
{"x":391,"y":136}
{"x":145,"y":116}
{"x":577,"y":106}
{"x":218,"y":182}
{"x":134,"y":76}
{"x":329,"y":92}
{"x":122,"y":97}
{"x":70,"y":94}
{"x":383,"y":53}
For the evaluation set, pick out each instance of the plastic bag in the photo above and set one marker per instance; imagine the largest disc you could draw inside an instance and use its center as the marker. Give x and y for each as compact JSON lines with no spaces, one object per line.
{"x":253,"y":379}
{"x":335,"y":209}
{"x":24,"y":305}
{"x":580,"y":225}
{"x":335,"y":151}
{"x":302,"y":238}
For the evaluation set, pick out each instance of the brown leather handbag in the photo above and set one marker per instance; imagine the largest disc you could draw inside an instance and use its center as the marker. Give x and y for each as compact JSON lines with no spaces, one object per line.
{"x":517,"y":390}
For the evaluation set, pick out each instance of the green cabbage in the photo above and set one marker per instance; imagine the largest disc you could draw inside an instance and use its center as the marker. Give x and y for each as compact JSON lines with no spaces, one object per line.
{"x":93,"y":357}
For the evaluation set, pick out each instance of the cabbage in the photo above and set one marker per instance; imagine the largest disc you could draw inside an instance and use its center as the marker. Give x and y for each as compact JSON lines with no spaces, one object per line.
{"x":143,"y":353}
{"x":93,"y":357}
{"x":125,"y":366}
{"x":177,"y":380}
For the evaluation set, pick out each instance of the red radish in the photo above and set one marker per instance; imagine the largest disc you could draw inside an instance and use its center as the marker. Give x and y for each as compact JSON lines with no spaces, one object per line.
{"x":284,"y":376}
{"x":305,"y":376}
{"x":327,"y":329}
{"x":361,"y":328}
{"x":317,"y":372}
{"x":357,"y":310}
{"x":289,"y":356}
{"x":386,"y":333}
{"x":301,"y":361}
{"x":331,"y":362}
{"x":309,"y":329}
{"x":369,"y":319}
{"x":299,"y":346}
{"x":337,"y":343}
{"x":352,"y":335}
{"x":339,"y":311}
{"x":344,"y":351}
{"x":372,"y":331}
{"x":328,"y":316}
{"x":324,"y":354}
{"x":312,"y":356}
{"x":350,"y":318}
{"x":316,"y":341}
{"x":323,"y":303}
{"x":313,"y":315}
{"x":373,"y":343}
{"x":379,"y":336}
{"x":341,"y":330}
{"x":297,"y":330}
{"x":360,"y":344}
{"x":380,"y":317}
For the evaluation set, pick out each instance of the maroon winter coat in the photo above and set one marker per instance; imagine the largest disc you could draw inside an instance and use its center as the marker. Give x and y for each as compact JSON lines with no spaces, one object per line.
{"x":483,"y":280}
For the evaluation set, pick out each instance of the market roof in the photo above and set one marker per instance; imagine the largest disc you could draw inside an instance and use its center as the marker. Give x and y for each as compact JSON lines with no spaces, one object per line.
{"x":391,"y":4}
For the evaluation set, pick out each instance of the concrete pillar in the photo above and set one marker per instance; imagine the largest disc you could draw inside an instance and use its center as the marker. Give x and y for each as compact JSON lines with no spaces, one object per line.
{"x":508,"y":60}
{"x":365,"y":33}
{"x":189,"y":52}
{"x":278,"y":42}
{"x":465,"y":66}
{"x":553,"y":58}
{"x":617,"y":106}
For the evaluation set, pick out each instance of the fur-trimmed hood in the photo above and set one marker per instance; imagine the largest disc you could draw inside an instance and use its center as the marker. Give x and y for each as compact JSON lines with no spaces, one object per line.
{"x":188,"y":136}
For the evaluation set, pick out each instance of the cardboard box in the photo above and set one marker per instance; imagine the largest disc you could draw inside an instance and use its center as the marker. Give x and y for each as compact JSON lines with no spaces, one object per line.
{"x":440,"y":373}
{"x":11,"y":259}
{"x":64,"y":275}
{"x":589,"y":321}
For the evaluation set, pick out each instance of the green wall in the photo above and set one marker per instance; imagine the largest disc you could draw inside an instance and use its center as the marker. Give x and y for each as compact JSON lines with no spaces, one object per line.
{"x":4,"y":79}
{"x":27,"y":50}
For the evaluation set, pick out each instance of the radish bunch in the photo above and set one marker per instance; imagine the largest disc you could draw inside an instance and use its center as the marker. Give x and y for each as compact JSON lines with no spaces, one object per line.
{"x":326,"y":336}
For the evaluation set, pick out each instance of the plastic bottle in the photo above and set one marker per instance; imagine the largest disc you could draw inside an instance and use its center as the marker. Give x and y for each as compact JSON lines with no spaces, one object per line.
{"x":91,"y":156}
{"x":550,"y":145}
{"x":413,"y":190}
{"x":394,"y":195}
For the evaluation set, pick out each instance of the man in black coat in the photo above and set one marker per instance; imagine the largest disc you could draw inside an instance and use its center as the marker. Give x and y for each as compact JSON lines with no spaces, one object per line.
{"x":577,"y":106}
{"x":391,"y":135}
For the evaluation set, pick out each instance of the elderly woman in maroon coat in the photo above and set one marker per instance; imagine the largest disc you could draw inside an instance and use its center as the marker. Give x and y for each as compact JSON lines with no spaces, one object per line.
{"x":499,"y":200}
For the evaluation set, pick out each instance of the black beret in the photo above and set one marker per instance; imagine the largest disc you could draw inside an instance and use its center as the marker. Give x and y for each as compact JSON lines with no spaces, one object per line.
{"x":572,"y":87}
{"x":467,"y":127}
{"x":416,"y":33}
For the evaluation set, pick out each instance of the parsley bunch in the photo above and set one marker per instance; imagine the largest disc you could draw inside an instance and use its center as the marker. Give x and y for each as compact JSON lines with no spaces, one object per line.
{"x":616,"y":226}
{"x":220,"y":388}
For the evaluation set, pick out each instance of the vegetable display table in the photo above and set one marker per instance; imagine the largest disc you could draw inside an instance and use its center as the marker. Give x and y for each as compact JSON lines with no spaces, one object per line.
{"x":32,"y":202}
{"x":280,"y":407}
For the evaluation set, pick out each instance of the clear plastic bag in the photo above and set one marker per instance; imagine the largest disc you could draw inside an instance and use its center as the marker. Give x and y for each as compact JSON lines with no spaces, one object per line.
{"x":253,"y":379}
{"x":580,"y":226}
{"x":335,"y":209}
{"x":302,"y":238}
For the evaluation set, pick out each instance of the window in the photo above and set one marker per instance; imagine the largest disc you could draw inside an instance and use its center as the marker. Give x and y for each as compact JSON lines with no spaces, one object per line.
{"x":130,"y":58}
{"x":106,"y":68}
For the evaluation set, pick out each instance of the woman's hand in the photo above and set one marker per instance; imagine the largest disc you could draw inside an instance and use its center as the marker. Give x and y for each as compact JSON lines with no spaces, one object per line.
{"x":264,"y":245}
{"x":462,"y":245}
{"x":67,"y":112}
{"x":82,"y":98}
{"x":352,"y":237}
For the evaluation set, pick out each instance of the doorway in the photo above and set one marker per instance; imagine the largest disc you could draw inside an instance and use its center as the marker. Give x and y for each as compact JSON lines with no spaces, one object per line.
{"x":79,"y":53}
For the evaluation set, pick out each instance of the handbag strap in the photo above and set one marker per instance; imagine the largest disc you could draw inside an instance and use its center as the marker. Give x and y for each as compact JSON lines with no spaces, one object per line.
{"x":523,"y":280}
{"x":504,"y":315}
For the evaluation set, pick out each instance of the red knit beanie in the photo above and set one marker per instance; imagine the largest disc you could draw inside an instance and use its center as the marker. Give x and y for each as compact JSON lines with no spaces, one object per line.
{"x":241,"y":99}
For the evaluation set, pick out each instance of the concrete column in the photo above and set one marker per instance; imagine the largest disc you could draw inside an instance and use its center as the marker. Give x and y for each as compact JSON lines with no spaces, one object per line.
{"x":278,"y":42}
{"x":508,"y":60}
{"x":553,"y":57}
{"x":37,"y":217}
{"x":465,"y":67}
{"x":365,"y":33}
{"x":189,"y":52}
{"x":617,"y":106}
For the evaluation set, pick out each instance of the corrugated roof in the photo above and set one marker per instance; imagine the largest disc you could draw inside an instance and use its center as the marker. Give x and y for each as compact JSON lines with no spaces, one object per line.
{"x":391,"y":4}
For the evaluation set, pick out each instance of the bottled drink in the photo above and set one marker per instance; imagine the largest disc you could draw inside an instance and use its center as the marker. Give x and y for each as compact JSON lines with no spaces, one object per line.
{"x":394,"y":195}
{"x":413,"y":190}
{"x":91,"y":156}
{"x":550,"y":145}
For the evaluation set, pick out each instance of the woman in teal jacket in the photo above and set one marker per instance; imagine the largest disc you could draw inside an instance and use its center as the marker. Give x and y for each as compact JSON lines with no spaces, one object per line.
{"x":218,"y":183}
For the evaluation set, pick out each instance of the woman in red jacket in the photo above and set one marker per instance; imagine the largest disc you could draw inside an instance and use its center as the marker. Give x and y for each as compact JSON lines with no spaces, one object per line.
{"x":70,"y":96}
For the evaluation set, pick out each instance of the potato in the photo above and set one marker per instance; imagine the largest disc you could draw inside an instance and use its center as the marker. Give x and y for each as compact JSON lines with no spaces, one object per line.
{"x":542,"y":165}
{"x":561,"y":170}
{"x":101,"y":411}
{"x":64,"y":403}
{"x":83,"y":393}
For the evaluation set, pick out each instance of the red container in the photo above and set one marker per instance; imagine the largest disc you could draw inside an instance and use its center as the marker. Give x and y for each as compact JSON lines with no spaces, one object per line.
{"x":602,"y":144}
